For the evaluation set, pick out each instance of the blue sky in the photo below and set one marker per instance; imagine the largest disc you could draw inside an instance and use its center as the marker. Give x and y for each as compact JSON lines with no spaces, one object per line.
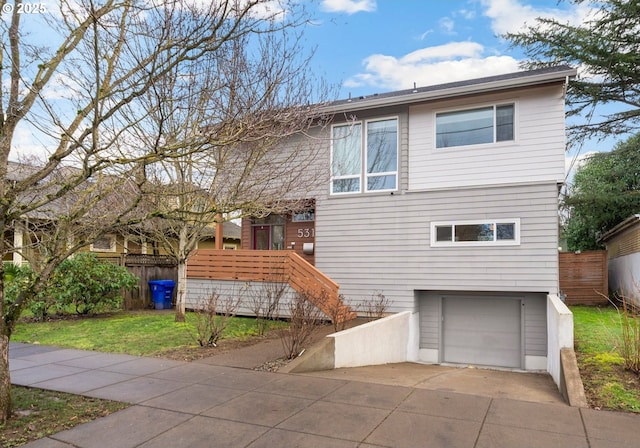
{"x":380,"y":45}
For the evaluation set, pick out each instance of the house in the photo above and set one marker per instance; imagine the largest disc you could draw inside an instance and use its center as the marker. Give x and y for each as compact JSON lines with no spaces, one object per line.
{"x":26,"y":234}
{"x":134,"y":241}
{"x":623,"y":253}
{"x":445,"y":200}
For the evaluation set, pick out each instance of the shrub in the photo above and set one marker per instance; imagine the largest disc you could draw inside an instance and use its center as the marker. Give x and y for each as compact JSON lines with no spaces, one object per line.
{"x":87,"y":284}
{"x":265,"y":303}
{"x":16,"y":279}
{"x":213,"y":313}
{"x":376,"y":307}
{"x":304,"y":319}
{"x":630,"y":334}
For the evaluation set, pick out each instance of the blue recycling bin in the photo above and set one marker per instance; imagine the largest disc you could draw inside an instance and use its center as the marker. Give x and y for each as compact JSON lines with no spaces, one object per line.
{"x":162,"y":293}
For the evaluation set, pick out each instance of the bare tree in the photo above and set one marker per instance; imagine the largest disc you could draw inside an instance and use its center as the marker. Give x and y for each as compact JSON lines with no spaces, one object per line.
{"x":82,"y":94}
{"x":232,"y":122}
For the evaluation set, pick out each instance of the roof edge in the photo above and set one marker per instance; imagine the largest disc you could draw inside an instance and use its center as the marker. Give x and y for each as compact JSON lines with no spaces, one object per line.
{"x":468,"y":87}
{"x":619,"y":228}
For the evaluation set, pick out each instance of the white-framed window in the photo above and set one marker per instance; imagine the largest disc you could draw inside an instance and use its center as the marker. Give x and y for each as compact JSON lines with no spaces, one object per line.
{"x":107,"y":243}
{"x":482,"y":125}
{"x":500,"y":232}
{"x":364,"y":156}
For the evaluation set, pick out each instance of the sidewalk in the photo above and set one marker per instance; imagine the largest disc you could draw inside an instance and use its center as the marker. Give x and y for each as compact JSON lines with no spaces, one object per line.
{"x":200,"y":404}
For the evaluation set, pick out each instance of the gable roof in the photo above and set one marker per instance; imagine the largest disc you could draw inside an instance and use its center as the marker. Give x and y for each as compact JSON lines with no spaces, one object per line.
{"x":453,"y":89}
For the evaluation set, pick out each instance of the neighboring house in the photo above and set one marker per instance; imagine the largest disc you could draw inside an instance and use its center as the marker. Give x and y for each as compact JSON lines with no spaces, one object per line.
{"x":623,"y":252}
{"x":25,"y":234}
{"x":134,"y":242}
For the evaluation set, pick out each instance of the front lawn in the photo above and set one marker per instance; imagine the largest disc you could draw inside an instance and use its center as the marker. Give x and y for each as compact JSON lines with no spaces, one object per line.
{"x":597,"y":340}
{"x":142,"y":333}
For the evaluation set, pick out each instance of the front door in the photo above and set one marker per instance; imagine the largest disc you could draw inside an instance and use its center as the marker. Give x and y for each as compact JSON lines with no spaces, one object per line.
{"x":262,"y":237}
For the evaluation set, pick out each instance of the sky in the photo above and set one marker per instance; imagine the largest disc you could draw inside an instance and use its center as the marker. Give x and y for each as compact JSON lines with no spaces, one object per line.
{"x":375,"y":46}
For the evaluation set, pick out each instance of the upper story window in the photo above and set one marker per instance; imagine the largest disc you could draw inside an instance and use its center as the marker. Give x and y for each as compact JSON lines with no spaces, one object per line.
{"x":475,"y":126}
{"x":473,"y":233}
{"x":364,"y":156}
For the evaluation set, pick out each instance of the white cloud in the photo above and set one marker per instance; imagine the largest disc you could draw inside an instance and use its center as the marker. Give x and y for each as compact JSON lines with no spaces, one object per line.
{"x":508,"y":16}
{"x":349,"y":6}
{"x":454,"y":61}
{"x":425,"y":34}
{"x":447,"y":25}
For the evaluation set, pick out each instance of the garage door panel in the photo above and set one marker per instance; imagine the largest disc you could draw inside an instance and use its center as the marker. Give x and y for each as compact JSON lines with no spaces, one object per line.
{"x":482,"y":330}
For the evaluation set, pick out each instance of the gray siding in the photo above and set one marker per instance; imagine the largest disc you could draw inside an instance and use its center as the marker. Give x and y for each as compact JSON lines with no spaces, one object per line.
{"x":430,"y":318}
{"x":535,"y":325}
{"x":536,"y":154}
{"x":199,"y":290}
{"x":370,"y":243}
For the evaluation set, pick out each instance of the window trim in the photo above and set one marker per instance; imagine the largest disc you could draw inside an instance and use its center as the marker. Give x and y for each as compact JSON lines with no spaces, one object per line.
{"x":364,"y":175}
{"x":348,"y":176}
{"x":495,"y":106}
{"x":495,"y":242}
{"x":112,"y":244}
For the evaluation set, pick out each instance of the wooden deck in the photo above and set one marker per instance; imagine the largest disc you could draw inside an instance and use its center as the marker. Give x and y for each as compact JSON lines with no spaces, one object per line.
{"x":271,"y":266}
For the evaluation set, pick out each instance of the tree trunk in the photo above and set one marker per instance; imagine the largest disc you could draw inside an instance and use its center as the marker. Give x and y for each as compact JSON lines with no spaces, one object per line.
{"x":181,"y":306}
{"x":6,"y":405}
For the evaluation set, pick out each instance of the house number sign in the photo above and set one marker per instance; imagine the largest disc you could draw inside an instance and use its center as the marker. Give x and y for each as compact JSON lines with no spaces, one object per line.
{"x":307,"y":233}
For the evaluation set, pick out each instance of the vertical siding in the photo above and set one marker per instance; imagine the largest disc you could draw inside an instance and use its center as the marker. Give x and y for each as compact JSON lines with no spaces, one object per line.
{"x":381,"y":243}
{"x":430,"y":318}
{"x":535,"y":325}
{"x":537,"y":154}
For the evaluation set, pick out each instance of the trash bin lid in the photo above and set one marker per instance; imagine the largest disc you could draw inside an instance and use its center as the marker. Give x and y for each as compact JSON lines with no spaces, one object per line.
{"x":167,"y":282}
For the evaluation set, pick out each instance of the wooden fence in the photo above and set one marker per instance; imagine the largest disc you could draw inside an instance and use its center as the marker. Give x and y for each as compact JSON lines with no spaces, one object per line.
{"x":271,"y":266}
{"x":145,"y":267}
{"x":583,"y":277}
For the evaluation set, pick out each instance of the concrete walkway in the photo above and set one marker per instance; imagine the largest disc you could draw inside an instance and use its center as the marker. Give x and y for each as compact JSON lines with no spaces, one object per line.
{"x":210,"y":403}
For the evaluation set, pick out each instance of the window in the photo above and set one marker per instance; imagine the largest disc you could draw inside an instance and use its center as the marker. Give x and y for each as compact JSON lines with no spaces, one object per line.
{"x":475,"y":126}
{"x":473,"y":233}
{"x":364,"y":154}
{"x":304,"y":216}
{"x":105,"y":244}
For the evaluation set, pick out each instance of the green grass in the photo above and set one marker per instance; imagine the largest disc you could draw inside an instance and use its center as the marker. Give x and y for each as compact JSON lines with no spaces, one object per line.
{"x":144,"y":333}
{"x":597,"y":337}
{"x":40,"y":413}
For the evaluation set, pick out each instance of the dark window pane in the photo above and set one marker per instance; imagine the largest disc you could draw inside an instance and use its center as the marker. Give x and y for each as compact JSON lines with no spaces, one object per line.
{"x":504,"y":123}
{"x":381,"y":183}
{"x":346,"y":185}
{"x":444,"y":233}
{"x":474,"y":232}
{"x":506,"y":231}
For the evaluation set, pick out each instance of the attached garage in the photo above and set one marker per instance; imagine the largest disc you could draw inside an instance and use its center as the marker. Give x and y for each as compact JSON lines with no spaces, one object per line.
{"x":485,"y":329}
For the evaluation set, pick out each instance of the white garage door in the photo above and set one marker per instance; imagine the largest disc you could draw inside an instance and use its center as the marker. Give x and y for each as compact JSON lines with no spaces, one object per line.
{"x":482,"y":330}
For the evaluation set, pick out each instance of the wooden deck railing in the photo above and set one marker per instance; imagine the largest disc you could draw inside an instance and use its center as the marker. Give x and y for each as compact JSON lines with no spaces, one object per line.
{"x":271,"y":266}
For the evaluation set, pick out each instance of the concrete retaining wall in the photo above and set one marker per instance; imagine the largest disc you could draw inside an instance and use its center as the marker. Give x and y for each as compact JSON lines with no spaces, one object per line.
{"x":560,"y":335}
{"x":381,"y":341}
